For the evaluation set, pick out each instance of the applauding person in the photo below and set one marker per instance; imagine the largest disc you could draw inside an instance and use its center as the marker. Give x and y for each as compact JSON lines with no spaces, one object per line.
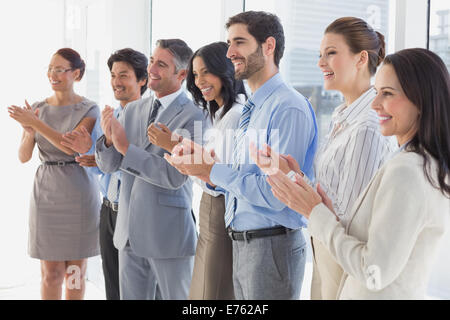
{"x":211,"y":82}
{"x":395,"y":226}
{"x":128,"y":69}
{"x":64,"y":203}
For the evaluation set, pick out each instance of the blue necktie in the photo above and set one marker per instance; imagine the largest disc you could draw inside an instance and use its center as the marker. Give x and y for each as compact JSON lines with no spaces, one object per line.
{"x":238,"y":155}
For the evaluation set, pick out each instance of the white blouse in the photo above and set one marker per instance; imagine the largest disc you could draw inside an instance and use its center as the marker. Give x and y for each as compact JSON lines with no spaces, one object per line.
{"x":220,"y":137}
{"x":351,"y":153}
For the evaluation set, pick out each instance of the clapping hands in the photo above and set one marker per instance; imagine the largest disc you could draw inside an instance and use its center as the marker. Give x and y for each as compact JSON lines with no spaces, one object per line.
{"x":192,"y":159}
{"x":25,"y":116}
{"x":160,"y":135}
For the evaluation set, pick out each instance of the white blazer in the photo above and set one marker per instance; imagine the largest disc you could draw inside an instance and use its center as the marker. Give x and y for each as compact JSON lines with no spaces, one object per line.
{"x":394,"y":232}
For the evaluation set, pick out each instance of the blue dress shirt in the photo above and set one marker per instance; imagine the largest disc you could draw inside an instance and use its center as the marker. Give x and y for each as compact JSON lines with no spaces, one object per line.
{"x":285,"y":120}
{"x":104,"y":177}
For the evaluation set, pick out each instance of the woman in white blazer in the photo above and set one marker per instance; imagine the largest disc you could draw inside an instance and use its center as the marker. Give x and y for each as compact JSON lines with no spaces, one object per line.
{"x":387,"y":248}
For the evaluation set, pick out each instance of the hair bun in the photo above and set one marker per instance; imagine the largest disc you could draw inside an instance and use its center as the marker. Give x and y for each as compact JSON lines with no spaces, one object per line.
{"x":382,"y":50}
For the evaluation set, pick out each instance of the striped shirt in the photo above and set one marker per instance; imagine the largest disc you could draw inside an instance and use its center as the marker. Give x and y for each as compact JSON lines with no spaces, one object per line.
{"x":351,"y":153}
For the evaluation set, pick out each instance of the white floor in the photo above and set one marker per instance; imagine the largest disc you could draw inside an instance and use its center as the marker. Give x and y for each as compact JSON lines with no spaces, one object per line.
{"x":28,"y":287}
{"x":30,"y":290}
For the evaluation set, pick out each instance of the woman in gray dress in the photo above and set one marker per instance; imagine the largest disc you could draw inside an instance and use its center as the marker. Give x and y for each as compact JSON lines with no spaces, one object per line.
{"x":65,"y":199}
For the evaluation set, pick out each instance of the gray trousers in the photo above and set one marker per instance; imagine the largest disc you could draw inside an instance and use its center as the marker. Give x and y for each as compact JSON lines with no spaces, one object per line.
{"x":269,"y":268}
{"x":138,"y":276}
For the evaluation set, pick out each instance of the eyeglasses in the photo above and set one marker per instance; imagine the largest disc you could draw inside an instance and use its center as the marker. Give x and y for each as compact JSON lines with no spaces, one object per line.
{"x":58,"y":71}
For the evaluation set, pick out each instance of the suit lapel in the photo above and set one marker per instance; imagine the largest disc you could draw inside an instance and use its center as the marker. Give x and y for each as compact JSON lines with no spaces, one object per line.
{"x":167,"y":115}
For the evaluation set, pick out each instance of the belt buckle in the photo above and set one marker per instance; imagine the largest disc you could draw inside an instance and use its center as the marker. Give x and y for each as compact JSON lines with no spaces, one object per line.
{"x":230,"y":234}
{"x":115,"y":206}
{"x":60,"y":163}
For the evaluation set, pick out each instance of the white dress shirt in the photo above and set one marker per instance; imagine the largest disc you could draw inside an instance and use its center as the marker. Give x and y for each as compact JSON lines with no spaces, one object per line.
{"x":220,"y":137}
{"x":351,"y":153}
{"x":167,"y":100}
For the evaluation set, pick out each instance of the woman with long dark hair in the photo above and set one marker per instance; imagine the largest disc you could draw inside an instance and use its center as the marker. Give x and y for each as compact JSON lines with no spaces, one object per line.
{"x":64,"y":203}
{"x":211,"y":82}
{"x":386,"y":250}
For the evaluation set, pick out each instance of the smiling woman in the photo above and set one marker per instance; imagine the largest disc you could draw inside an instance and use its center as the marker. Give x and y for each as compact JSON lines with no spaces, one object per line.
{"x":398,"y":115}
{"x":411,"y":190}
{"x":64,"y":203}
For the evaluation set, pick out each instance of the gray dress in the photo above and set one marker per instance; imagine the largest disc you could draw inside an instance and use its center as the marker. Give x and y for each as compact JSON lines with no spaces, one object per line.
{"x":65,"y":204}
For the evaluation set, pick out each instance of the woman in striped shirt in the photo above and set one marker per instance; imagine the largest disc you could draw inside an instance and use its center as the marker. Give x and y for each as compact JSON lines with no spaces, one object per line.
{"x":354,"y":148}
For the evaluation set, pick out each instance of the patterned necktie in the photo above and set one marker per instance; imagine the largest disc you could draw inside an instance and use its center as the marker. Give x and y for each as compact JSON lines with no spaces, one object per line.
{"x":153,"y":114}
{"x":238,"y":155}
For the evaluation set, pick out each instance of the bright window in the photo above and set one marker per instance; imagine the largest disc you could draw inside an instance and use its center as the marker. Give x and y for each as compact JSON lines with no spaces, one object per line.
{"x":304,"y":23}
{"x":439,"y":40}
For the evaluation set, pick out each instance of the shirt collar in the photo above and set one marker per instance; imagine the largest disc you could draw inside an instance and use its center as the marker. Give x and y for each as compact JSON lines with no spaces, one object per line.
{"x":218,"y":114}
{"x":240,"y":99}
{"x":118,"y":111}
{"x":263,"y":92}
{"x":351,"y":113}
{"x":167,"y":100}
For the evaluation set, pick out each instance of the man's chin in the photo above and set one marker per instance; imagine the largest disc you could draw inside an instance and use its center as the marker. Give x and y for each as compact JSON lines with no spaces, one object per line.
{"x":153,"y":86}
{"x":240,"y":75}
{"x":121,"y":98}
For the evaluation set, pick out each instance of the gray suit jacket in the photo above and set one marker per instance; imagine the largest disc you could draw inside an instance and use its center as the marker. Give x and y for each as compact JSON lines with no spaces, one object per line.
{"x":155,"y":199}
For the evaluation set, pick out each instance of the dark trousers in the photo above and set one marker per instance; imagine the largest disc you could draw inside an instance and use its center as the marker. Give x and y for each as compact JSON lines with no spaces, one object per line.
{"x":109,"y":253}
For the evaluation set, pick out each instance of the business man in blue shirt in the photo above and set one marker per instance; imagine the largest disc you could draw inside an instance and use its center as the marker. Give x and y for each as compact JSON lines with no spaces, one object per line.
{"x":268,"y":246}
{"x":129,"y":75}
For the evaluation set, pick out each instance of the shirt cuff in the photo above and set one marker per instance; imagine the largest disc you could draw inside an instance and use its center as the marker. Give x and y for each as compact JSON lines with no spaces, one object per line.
{"x":214,"y":191}
{"x":221,"y":175}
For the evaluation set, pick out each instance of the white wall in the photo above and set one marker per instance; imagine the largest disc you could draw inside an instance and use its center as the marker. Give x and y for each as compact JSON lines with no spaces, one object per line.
{"x":410,"y":24}
{"x":28,"y":40}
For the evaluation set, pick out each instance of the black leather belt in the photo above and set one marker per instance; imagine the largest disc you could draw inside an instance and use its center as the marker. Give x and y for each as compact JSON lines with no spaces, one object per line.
{"x":260,"y":233}
{"x":59,"y":163}
{"x":113,"y":205}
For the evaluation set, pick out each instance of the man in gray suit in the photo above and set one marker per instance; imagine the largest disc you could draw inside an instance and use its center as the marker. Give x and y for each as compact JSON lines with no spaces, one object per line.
{"x":155,"y":231}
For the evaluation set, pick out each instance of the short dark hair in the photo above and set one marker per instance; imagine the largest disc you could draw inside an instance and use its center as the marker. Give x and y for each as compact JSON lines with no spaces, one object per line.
{"x":214,"y":56}
{"x":359,"y":36}
{"x":180,"y":51}
{"x":425,"y":80}
{"x":74,"y":59}
{"x":262,"y":25}
{"x":137,"y":60}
